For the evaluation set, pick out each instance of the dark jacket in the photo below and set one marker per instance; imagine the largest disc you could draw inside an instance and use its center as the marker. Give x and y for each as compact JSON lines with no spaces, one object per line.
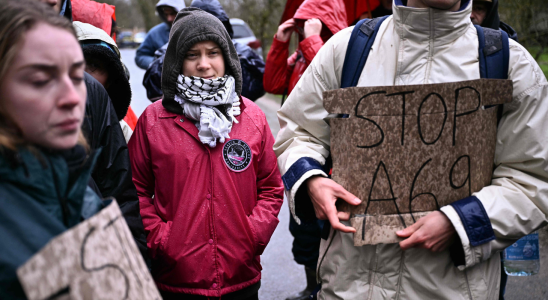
{"x":492,"y":21}
{"x":155,"y":38}
{"x":119,"y":90}
{"x":112,"y":174}
{"x":41,"y":196}
{"x":152,"y":81}
{"x":252,"y":71}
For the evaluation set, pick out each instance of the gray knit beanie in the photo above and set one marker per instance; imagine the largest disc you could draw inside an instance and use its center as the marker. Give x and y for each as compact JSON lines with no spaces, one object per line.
{"x":193,"y":25}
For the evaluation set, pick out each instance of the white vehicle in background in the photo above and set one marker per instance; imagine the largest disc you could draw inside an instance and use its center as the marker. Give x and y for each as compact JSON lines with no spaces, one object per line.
{"x":139,"y":38}
{"x":244,"y":35}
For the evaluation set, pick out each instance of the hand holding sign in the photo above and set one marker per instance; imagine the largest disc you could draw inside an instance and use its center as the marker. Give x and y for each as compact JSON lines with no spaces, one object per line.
{"x":323,"y":193}
{"x":433,"y":232}
{"x":409,"y":150}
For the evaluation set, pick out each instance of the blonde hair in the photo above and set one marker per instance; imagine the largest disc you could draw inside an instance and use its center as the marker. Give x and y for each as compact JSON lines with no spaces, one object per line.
{"x":17,"y":17}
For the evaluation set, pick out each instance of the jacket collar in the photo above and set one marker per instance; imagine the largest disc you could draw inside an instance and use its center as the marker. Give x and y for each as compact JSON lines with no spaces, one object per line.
{"x":187,"y":124}
{"x":47,"y":177}
{"x":429,"y":24}
{"x":164,"y":113}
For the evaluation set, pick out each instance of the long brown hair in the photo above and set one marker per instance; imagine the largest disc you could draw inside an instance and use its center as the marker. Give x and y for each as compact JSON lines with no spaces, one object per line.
{"x":17,"y":17}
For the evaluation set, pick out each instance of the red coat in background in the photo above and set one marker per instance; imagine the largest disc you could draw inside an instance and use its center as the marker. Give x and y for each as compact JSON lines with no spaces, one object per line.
{"x":282,"y":73}
{"x":131,"y":119}
{"x":354,"y":9}
{"x":207,"y":224}
{"x":97,"y":14}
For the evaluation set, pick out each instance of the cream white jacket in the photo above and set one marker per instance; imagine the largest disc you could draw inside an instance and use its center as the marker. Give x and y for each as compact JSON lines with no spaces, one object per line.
{"x":421,"y":46}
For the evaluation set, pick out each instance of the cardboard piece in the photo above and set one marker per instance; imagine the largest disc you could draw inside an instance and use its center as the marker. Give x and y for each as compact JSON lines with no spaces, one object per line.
{"x":409,"y":150}
{"x":97,"y":259}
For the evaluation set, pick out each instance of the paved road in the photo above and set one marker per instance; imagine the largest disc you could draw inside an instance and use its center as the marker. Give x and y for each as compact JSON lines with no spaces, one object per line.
{"x":281,"y":275}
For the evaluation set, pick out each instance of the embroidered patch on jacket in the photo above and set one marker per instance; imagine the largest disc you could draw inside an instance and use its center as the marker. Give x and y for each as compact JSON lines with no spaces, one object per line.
{"x":237,"y":155}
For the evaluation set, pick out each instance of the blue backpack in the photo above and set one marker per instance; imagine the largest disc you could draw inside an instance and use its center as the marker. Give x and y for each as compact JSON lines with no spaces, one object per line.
{"x":494,"y":51}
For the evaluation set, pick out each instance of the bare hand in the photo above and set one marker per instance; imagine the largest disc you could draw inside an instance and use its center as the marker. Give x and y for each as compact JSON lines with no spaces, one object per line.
{"x":433,"y":232}
{"x":285,"y":30}
{"x":324,"y":193}
{"x":312,"y":27}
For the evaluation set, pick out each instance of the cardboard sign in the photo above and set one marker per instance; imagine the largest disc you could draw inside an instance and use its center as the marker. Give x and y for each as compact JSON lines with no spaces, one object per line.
{"x":97,"y":259}
{"x":408,"y":150}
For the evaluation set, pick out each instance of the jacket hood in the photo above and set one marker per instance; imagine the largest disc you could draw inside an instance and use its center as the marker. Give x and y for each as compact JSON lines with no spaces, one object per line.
{"x":88,"y":32}
{"x":193,"y":25}
{"x":176,"y":4}
{"x":512,"y":33}
{"x":101,"y":15}
{"x":492,"y":19}
{"x":98,"y":45}
{"x":332,"y":13}
{"x":215,"y":8}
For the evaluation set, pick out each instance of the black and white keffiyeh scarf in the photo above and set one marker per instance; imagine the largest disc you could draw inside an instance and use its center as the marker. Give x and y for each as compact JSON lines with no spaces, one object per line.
{"x":212,"y":102}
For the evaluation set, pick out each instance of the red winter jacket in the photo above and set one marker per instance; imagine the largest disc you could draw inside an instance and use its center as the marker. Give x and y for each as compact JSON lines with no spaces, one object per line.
{"x":97,"y":14}
{"x":208,"y":217}
{"x":283,"y":73}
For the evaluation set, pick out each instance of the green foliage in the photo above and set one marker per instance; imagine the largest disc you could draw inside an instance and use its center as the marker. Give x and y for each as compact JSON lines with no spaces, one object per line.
{"x":530,"y":19}
{"x":128,"y":16}
{"x":147,"y":9}
{"x":262,"y":16}
{"x":542,"y":59}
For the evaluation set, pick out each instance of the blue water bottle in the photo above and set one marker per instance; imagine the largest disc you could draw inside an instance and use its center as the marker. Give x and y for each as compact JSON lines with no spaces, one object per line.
{"x":522,"y":257}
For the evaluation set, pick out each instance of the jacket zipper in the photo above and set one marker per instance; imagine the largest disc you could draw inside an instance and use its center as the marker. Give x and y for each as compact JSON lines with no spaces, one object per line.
{"x":212,"y":219}
{"x":62,"y":200}
{"x":64,"y":209}
{"x":318,"y":275}
{"x":402,"y":259}
{"x":468,"y":285}
{"x":429,"y":59}
{"x":372,"y":273}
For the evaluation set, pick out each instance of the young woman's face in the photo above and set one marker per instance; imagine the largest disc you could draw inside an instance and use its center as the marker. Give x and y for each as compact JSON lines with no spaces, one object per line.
{"x":43,"y":91}
{"x":205,"y":60}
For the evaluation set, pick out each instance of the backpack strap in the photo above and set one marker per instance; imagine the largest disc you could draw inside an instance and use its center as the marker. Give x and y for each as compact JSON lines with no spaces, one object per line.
{"x":494,"y":53}
{"x":359,"y":46}
{"x":494,"y":56}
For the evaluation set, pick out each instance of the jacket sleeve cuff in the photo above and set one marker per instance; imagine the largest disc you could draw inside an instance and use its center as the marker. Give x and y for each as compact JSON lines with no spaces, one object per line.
{"x":298,"y":173}
{"x":277,"y":44}
{"x":467,"y":255}
{"x":310,"y":47}
{"x":475,"y":220}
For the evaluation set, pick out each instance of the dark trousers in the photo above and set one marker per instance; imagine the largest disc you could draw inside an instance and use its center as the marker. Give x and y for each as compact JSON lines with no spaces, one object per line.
{"x":306,"y":243}
{"x":173,"y":296}
{"x":248,"y":293}
{"x":503,"y":279}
